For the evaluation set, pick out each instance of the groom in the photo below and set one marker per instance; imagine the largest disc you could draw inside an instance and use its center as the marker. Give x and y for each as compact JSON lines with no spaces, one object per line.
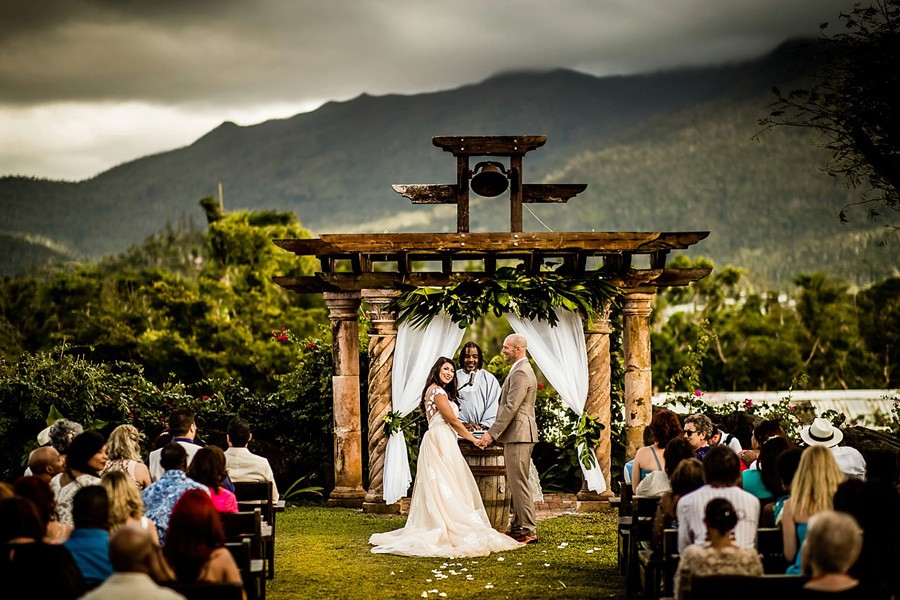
{"x":516,"y":429}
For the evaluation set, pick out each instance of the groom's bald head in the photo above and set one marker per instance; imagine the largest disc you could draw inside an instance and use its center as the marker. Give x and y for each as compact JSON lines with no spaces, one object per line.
{"x":514,"y":347}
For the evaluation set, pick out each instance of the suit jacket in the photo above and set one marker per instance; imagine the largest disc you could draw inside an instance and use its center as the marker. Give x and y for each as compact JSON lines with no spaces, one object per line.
{"x":515,"y":416}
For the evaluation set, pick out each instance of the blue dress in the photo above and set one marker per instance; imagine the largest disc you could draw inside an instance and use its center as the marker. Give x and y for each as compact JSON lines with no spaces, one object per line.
{"x":795,"y":569}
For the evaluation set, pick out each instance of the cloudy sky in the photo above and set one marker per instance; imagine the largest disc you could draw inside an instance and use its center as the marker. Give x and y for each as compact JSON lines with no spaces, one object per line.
{"x":88,"y":84}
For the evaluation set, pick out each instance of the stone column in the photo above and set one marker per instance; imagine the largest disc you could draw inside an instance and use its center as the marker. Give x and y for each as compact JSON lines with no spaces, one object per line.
{"x":342,"y":311}
{"x":382,"y":339}
{"x":596,"y":338}
{"x":638,"y":373}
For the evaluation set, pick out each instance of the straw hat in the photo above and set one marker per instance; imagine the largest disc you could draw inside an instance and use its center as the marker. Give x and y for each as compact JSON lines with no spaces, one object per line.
{"x":821,"y":433}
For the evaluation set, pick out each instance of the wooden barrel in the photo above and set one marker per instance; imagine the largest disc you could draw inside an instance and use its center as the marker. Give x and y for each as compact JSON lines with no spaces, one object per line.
{"x":489,"y":469}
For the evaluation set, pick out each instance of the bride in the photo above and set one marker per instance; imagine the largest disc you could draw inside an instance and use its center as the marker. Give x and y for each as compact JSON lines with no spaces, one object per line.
{"x":446,"y":514}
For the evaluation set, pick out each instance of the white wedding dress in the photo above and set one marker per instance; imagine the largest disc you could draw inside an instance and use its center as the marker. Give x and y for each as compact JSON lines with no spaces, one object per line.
{"x":446,"y":514}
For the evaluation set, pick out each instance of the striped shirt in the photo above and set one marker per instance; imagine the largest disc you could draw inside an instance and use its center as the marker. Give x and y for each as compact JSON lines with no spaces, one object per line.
{"x":691,"y":509}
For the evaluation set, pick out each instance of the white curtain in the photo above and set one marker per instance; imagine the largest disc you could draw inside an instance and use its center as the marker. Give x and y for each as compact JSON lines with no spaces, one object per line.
{"x":415,"y":352}
{"x":561,"y":356}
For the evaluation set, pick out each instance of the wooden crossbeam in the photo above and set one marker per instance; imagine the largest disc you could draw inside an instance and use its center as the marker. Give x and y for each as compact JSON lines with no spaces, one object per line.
{"x":446,"y":193}
{"x":594,"y":243}
{"x":336,"y":282}
{"x":494,"y":145}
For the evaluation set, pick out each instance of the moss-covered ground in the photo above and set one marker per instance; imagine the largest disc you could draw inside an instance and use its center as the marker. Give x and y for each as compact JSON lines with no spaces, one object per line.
{"x":324,"y":553}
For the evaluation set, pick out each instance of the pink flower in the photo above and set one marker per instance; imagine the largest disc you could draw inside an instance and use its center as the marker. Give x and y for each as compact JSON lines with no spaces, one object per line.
{"x":698,"y":393}
{"x":748,"y":404}
{"x":793,"y":408}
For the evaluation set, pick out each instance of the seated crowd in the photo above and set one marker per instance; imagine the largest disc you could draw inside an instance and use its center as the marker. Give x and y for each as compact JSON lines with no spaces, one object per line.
{"x":92,"y":513}
{"x":839,"y":521}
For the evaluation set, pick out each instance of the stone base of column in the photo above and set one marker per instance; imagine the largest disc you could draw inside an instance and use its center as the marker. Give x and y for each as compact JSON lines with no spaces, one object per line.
{"x":587,"y":506}
{"x":346,"y":497}
{"x":380,"y":507}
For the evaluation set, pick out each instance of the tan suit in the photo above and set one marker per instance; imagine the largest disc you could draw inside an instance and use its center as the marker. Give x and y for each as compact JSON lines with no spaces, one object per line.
{"x":516,"y":429}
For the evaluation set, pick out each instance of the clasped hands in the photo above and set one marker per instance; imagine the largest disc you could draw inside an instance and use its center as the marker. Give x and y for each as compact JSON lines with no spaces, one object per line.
{"x":485,"y":441}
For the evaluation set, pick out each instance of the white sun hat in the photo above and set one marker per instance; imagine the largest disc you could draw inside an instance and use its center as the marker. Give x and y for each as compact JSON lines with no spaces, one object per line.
{"x":821,"y":433}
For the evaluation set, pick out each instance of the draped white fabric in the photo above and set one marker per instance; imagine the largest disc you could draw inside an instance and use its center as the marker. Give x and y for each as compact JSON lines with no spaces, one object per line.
{"x":561,"y":356}
{"x":414,"y":354}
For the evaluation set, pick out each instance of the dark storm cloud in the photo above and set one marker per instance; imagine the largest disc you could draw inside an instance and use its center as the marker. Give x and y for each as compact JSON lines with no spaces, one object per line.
{"x":242,"y":52}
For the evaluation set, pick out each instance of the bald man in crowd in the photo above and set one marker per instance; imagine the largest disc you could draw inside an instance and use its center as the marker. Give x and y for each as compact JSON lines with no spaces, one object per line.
{"x":45,"y":462}
{"x":134,"y":560}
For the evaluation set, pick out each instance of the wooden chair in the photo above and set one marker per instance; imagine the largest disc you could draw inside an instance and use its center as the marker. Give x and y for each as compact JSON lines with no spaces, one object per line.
{"x":623,"y":528}
{"x":770,"y":544}
{"x":247,"y":524}
{"x":206,"y":590}
{"x":253,"y":570}
{"x":643,"y":515}
{"x":657,"y":567}
{"x":252,"y":494}
{"x":744,"y":587}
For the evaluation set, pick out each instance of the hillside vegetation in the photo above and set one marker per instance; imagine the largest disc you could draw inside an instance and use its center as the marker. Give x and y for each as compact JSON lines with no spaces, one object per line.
{"x":660,"y":151}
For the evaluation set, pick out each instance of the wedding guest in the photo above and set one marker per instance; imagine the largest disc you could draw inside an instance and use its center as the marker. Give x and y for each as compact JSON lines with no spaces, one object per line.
{"x":45,"y":462}
{"x":195,"y":542}
{"x":665,"y":427}
{"x":762,"y":432}
{"x":38,"y":491}
{"x":833,"y":542}
{"x":208,"y":468}
{"x":722,"y":470}
{"x":875,"y":504}
{"x":763,"y":481}
{"x":697,"y":429}
{"x":123,"y":448}
{"x":183,"y":430}
{"x":786,"y":466}
{"x":478,"y":389}
{"x":134,"y":560}
{"x":822,"y":433}
{"x":719,"y":556}
{"x":688,"y":477}
{"x":86,"y":458}
{"x":25,"y":561}
{"x":241,"y":464}
{"x":161,"y":496}
{"x":89,"y":541}
{"x":723,"y":437}
{"x":125,"y":504}
{"x":812,"y":491}
{"x":62,"y":433}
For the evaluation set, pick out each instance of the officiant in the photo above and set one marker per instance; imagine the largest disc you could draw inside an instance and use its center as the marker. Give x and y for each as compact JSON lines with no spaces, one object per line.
{"x":479,"y":391}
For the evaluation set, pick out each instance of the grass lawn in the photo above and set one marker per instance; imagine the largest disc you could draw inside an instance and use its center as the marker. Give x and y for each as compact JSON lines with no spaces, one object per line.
{"x":324,"y":553}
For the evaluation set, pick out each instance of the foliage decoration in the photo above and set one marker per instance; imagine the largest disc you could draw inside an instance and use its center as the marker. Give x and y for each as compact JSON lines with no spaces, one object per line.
{"x":587,"y":436}
{"x":508,"y":289}
{"x":394,"y":422}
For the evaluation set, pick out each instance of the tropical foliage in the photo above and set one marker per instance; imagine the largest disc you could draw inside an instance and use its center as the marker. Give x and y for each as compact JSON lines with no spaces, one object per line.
{"x":510,"y":289}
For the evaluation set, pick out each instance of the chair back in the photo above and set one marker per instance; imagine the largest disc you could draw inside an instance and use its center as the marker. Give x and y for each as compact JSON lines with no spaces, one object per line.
{"x":204,"y":590}
{"x":744,"y":587}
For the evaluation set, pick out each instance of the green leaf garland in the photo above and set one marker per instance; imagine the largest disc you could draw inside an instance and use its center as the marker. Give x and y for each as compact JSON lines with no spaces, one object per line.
{"x":508,"y":289}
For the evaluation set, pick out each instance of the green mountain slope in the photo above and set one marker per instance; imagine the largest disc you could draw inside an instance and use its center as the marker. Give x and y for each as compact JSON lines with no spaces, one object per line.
{"x":659,"y":151}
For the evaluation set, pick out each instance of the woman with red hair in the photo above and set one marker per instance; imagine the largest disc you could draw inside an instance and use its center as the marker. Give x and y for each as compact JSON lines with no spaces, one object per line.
{"x":195,"y":542}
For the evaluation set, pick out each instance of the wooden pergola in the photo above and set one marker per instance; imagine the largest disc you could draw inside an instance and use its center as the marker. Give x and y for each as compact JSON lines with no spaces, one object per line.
{"x":371,"y":268}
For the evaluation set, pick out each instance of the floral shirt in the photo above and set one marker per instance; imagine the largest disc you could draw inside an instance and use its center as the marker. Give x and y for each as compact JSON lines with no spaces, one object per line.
{"x":160,"y":498}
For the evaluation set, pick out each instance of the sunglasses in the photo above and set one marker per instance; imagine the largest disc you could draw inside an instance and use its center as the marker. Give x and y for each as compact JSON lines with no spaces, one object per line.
{"x":689,"y":433}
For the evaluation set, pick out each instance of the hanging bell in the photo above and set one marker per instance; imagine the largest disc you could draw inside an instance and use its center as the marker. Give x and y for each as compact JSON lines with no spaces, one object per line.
{"x":489,"y":179}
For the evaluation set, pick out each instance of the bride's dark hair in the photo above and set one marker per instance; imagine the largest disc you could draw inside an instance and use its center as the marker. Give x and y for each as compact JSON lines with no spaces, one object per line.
{"x":434,"y":376}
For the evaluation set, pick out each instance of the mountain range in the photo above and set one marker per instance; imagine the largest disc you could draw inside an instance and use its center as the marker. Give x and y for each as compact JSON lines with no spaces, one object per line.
{"x":666,"y":151}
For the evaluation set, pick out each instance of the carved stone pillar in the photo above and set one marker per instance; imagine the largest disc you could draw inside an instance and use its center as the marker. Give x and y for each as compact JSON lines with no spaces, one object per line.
{"x":342,"y":311}
{"x":382,"y":339}
{"x":638,"y":373}
{"x":596,"y":338}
